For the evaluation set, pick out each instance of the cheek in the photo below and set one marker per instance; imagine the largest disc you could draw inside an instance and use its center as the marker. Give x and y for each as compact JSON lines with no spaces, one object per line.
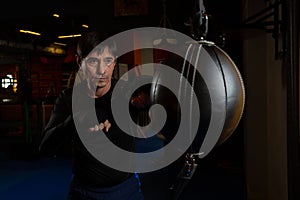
{"x":90,"y":71}
{"x":110,"y":70}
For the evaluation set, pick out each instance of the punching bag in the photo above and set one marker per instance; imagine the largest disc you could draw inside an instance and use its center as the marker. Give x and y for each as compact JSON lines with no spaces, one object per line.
{"x":216,"y":84}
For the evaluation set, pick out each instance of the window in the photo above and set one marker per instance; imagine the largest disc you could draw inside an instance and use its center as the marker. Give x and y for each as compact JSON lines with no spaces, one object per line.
{"x":9,"y":82}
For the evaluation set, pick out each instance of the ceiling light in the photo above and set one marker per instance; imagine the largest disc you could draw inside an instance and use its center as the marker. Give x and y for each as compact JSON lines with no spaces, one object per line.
{"x":29,"y":32}
{"x":61,"y":44}
{"x":85,"y":26}
{"x":68,"y":36}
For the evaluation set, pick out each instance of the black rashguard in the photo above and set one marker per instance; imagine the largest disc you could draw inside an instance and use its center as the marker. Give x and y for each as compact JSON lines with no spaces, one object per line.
{"x":61,"y":129}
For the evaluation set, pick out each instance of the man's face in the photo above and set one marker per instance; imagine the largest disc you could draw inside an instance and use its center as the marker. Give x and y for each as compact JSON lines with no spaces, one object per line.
{"x":99,"y":70}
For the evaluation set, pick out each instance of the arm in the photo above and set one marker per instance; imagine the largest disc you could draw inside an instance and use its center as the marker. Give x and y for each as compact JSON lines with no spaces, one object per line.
{"x":60,"y":127}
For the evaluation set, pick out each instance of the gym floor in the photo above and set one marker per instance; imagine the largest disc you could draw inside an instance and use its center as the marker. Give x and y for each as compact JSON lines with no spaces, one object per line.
{"x":25,"y":175}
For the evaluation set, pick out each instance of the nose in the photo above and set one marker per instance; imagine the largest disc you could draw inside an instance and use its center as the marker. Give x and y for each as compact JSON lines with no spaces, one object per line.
{"x":101,"y":67}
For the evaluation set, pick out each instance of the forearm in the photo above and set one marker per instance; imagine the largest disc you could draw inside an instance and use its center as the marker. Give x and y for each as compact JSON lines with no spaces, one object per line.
{"x":55,"y":136}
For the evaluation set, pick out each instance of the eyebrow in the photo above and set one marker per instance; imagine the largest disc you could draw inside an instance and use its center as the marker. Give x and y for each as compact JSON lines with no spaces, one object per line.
{"x":107,"y":57}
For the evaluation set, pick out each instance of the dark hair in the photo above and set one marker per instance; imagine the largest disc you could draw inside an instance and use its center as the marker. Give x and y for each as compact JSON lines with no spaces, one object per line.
{"x":94,"y":41}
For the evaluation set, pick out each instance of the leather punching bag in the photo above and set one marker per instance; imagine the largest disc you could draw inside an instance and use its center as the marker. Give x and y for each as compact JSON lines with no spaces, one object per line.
{"x":217,"y":85}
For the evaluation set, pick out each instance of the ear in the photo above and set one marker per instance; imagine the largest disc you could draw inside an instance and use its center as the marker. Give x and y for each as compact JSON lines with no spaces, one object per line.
{"x":78,"y":60}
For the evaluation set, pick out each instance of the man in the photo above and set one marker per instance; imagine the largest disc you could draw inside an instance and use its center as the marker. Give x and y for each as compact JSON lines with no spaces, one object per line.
{"x":91,"y":178}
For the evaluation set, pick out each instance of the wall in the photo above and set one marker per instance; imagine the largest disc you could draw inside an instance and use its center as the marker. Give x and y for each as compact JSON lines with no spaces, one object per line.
{"x":265,"y":115}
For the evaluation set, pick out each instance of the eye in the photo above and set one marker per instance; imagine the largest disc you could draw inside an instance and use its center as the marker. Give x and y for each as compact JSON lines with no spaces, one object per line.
{"x":92,"y":61}
{"x":108,"y":60}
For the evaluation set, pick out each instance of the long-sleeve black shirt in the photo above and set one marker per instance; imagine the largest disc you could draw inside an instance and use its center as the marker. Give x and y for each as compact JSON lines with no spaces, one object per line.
{"x":61,"y":129}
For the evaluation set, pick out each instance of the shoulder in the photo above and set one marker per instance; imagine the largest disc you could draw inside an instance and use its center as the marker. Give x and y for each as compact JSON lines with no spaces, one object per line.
{"x":66,"y":93}
{"x":65,"y":96}
{"x":119,"y":90}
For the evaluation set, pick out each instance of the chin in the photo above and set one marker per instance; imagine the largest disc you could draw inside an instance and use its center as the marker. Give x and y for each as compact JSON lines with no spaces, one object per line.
{"x":99,"y":86}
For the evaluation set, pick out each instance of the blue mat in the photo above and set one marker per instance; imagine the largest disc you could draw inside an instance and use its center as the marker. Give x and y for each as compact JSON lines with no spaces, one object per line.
{"x":40,"y":179}
{"x":49,"y":178}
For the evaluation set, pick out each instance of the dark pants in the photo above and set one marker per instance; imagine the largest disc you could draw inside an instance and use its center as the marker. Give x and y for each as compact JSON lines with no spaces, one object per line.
{"x":128,"y":190}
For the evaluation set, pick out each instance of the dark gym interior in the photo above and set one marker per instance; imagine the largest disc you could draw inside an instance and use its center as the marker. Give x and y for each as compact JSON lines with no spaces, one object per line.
{"x":259,"y":161}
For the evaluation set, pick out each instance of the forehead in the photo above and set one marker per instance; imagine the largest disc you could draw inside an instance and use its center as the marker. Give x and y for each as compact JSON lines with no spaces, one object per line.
{"x":101,"y":52}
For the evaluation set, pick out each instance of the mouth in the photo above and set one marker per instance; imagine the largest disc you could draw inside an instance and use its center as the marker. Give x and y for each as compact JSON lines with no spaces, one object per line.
{"x":100,"y":78}
{"x":98,"y":81}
